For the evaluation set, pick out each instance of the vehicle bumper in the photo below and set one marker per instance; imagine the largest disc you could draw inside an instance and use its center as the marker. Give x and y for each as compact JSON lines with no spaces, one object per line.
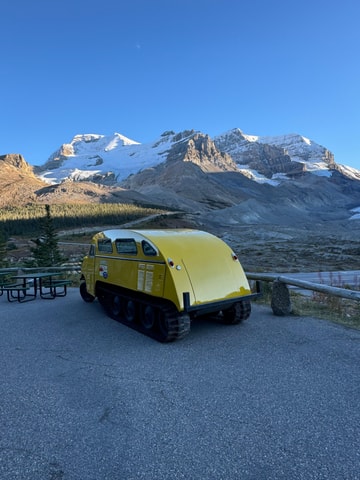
{"x":218,"y":305}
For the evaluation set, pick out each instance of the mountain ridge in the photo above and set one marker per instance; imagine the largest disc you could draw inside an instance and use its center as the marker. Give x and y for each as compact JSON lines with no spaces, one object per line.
{"x":232,"y":178}
{"x":263,"y":159}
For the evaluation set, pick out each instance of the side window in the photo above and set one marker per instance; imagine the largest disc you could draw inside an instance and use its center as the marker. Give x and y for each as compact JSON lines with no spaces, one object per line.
{"x":91,"y":250}
{"x":148,"y":249}
{"x":104,"y":245}
{"x":126,"y":246}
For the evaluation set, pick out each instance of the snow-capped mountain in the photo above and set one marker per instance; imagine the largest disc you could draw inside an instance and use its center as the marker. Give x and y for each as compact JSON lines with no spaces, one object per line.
{"x":282,"y":195}
{"x":91,"y":156}
{"x":237,"y":177}
{"x":113,"y":158}
{"x":230,"y":179}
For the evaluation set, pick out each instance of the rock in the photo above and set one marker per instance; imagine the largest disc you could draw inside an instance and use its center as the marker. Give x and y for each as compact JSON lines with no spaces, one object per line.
{"x":280,"y":300}
{"x":16,"y":160}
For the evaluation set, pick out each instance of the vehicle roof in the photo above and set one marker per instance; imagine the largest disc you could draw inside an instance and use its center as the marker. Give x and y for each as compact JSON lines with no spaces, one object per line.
{"x":165,"y":239}
{"x":153,"y":234}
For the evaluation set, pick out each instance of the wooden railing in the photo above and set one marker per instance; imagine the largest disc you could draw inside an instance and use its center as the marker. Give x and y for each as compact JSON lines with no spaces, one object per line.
{"x":316,"y":287}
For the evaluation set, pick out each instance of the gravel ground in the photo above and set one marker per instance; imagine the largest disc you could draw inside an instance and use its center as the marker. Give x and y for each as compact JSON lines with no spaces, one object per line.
{"x":85,"y":398}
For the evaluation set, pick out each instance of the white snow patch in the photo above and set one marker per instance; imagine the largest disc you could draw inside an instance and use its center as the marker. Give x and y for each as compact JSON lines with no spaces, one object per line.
{"x":356,"y":216}
{"x":349,"y":172}
{"x":318,"y":168}
{"x":251,"y":138}
{"x":258,"y":177}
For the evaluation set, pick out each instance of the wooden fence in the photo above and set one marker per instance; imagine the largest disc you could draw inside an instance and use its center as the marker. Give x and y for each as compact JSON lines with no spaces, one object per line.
{"x":316,"y":287}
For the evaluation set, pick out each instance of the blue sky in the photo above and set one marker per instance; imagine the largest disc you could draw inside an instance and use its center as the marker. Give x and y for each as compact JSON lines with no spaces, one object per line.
{"x":140,"y":67}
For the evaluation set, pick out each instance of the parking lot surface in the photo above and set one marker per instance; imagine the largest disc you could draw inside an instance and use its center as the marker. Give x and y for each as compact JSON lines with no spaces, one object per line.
{"x":85,"y":398}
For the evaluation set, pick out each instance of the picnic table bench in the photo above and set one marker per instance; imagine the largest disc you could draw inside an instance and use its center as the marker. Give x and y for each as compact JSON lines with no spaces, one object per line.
{"x":5,"y":280}
{"x":18,"y":293}
{"x":26,"y":286}
{"x":53,"y":287}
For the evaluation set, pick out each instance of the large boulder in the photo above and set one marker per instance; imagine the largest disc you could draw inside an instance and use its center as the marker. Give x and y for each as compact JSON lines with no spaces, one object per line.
{"x":280,"y":299}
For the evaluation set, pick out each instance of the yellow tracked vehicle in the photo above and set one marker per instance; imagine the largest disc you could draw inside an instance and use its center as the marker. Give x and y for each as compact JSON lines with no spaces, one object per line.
{"x":157,"y":281}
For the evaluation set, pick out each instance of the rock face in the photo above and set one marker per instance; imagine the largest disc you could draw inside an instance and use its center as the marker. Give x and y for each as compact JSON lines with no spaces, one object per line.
{"x":269,"y":160}
{"x":264,"y":158}
{"x":201,"y":151}
{"x":18,"y":182}
{"x":288,"y":154}
{"x":59,"y":157}
{"x":16,"y":160}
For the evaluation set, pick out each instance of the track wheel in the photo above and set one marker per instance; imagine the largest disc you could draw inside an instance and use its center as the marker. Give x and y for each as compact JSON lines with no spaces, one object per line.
{"x":172,"y":325}
{"x":85,"y":295}
{"x":103,"y":300}
{"x":115,"y":306}
{"x":237,"y":313}
{"x":148,"y":317}
{"x":130,"y":311}
{"x":164,"y":326}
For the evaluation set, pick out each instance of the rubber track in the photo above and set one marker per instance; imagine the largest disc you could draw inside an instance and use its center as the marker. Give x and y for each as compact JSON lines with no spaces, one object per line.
{"x":178,"y":322}
{"x":242,"y":311}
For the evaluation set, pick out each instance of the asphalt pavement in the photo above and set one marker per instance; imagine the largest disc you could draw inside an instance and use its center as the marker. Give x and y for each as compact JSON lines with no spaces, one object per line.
{"x":85,"y":398}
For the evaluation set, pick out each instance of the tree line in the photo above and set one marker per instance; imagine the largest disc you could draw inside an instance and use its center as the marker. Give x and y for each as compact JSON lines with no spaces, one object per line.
{"x":43,"y":221}
{"x":25,"y":221}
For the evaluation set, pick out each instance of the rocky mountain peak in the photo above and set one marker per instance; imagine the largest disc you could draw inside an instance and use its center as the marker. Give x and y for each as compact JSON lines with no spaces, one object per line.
{"x":201,"y":150}
{"x":18,"y":183}
{"x":58,"y":157}
{"x":289,"y":155}
{"x":16,"y":160}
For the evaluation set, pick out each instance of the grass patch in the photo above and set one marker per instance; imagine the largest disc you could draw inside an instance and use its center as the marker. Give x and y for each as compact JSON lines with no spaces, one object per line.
{"x":319,"y":305}
{"x":327,"y":307}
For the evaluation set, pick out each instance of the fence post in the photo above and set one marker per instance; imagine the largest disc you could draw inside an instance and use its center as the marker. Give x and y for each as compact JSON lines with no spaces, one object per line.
{"x":280,"y":299}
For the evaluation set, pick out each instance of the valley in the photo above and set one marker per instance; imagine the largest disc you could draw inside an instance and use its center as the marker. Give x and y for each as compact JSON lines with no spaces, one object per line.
{"x":283,"y":204}
{"x":277,"y":248}
{"x":262,"y":248}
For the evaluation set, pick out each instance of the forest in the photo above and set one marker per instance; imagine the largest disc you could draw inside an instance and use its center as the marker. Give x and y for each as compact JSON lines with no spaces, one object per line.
{"x":27,"y":220}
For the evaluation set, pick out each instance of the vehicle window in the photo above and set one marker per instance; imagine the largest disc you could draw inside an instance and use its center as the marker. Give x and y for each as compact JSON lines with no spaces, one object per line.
{"x":148,"y":249}
{"x":104,"y":245}
{"x":126,"y":246}
{"x":92,"y":250}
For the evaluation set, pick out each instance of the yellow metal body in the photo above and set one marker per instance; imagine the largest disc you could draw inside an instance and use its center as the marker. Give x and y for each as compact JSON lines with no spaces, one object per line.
{"x":166,"y":264}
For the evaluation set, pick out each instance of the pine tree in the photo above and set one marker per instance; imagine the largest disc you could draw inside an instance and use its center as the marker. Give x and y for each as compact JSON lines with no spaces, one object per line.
{"x":46,"y":253}
{"x":3,"y":250}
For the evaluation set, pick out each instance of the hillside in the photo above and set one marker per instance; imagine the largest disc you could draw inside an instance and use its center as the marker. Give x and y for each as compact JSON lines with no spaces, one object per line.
{"x":282,"y":202}
{"x":18,"y":184}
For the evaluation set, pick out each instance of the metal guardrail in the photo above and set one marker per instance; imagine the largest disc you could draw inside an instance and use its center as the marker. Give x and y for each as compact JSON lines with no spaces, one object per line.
{"x":317,"y":287}
{"x":73,"y":267}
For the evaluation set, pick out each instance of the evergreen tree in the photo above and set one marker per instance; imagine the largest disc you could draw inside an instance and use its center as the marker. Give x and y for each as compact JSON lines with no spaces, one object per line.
{"x":46,"y":253}
{"x":3,"y":251}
